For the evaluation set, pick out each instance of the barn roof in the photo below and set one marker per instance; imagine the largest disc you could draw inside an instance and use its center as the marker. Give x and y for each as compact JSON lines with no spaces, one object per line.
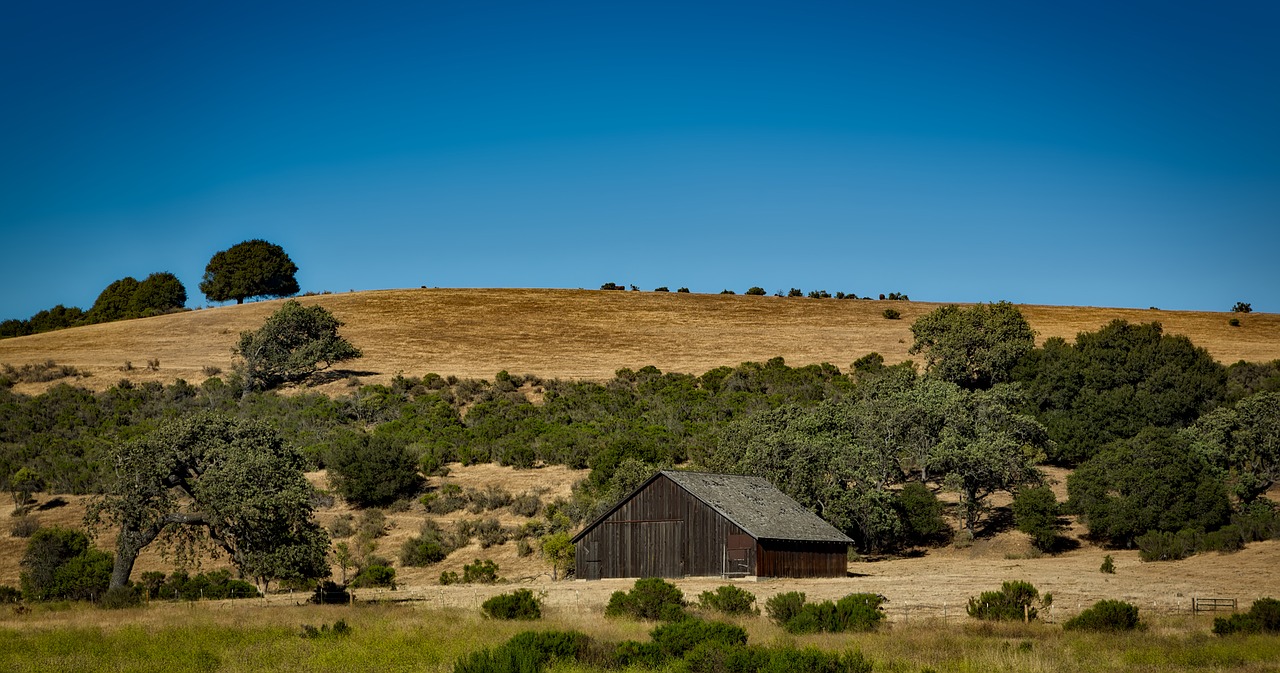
{"x":757,"y":507}
{"x":751,"y":503}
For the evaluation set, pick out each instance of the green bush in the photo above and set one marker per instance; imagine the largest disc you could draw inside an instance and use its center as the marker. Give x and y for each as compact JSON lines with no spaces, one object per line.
{"x":919,"y":509}
{"x":855,"y":612}
{"x":215,"y":585}
{"x":373,"y":471}
{"x":1012,"y":602}
{"x":1108,"y":565}
{"x":60,"y":564}
{"x":480,"y":572}
{"x":519,"y":604}
{"x":892,"y":314}
{"x":450,"y":577}
{"x":527,"y":652}
{"x":330,"y":593}
{"x":1035,"y":512}
{"x":1105,"y":615}
{"x":782,"y":608}
{"x":375,"y":575}
{"x":338,"y":630}
{"x":650,"y":598}
{"x":119,"y":598}
{"x":730,"y":600}
{"x":755,"y":291}
{"x":1263,"y":617}
{"x":678,"y":637}
{"x":431,"y":545}
{"x":1162,"y":546}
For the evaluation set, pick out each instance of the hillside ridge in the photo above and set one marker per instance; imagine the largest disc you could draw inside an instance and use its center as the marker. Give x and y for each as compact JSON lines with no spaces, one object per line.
{"x":575,"y":334}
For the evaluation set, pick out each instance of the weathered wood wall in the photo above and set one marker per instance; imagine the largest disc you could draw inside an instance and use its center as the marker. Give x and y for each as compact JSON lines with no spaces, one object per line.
{"x":791,"y":558}
{"x":662,"y":531}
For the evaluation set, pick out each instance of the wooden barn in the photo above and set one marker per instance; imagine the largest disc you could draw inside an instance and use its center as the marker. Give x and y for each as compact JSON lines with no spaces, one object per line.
{"x":681,"y":524}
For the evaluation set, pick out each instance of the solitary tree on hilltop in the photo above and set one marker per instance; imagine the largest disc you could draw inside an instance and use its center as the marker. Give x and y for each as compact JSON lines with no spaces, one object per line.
{"x":294,"y":343}
{"x":250,"y":269}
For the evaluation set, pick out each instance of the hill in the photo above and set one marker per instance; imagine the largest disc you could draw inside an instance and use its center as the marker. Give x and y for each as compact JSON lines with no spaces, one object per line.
{"x":580,"y":334}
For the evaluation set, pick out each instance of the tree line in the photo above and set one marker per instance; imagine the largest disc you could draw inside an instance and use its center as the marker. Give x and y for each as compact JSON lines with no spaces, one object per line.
{"x":253,"y":268}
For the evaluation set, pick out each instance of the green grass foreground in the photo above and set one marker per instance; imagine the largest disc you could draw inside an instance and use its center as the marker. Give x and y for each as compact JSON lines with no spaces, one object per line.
{"x":218,"y":637}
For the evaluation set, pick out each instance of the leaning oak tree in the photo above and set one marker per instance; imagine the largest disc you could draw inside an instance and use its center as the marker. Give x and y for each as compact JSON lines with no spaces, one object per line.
{"x":250,"y":269}
{"x":208,"y":483}
{"x":294,"y":343}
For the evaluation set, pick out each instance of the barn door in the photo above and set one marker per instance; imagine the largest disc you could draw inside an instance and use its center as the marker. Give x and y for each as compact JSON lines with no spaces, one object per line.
{"x":658,"y":549}
{"x":588,"y":558}
{"x":737,"y":554}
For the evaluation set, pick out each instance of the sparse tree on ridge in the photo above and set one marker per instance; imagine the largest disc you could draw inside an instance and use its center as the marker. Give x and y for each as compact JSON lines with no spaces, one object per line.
{"x":294,"y":343}
{"x":250,"y":269}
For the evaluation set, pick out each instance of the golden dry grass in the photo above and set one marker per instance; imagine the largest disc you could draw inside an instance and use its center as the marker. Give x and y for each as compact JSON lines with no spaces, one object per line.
{"x":582,"y":334}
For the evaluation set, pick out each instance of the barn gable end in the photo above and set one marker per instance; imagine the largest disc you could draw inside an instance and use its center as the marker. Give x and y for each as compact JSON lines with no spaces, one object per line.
{"x":680,"y":524}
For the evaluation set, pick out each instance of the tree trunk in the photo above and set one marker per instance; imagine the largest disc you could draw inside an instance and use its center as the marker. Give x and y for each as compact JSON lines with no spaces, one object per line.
{"x":128,"y":545}
{"x":239,"y":300}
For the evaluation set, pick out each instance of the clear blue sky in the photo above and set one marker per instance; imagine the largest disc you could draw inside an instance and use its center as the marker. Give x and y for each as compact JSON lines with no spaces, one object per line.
{"x":1092,"y":153}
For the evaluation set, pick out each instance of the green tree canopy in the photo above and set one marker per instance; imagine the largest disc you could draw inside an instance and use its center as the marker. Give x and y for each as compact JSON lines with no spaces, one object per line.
{"x":210,"y":483}
{"x":1244,"y":441}
{"x":294,"y":343}
{"x":160,"y":292}
{"x":250,"y":269}
{"x":1113,"y":383}
{"x":60,"y":564}
{"x":974,"y":348}
{"x":373,"y":471}
{"x":113,"y":303}
{"x":1152,"y":481}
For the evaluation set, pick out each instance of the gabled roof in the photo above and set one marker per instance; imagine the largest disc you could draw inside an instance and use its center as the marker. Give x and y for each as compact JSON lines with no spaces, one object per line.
{"x":751,"y":503}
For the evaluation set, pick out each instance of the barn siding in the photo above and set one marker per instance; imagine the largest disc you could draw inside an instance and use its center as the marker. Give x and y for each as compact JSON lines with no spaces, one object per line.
{"x":793,"y":558}
{"x":663,"y":530}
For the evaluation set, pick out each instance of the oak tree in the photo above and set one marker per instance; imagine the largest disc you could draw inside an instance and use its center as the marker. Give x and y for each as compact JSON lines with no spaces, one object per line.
{"x":253,"y":268}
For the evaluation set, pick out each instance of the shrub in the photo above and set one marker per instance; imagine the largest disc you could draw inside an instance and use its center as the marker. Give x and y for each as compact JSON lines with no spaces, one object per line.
{"x":676,"y":638}
{"x":519,"y":604}
{"x":1263,"y":617}
{"x":375,"y":575}
{"x":633,"y":654}
{"x":730,"y":600}
{"x":526,"y":504}
{"x":1234,"y":322}
{"x":920,"y":511}
{"x":24,"y":526}
{"x":795,"y":292}
{"x":891,"y":314}
{"x":429,"y":546}
{"x":684,"y":290}
{"x":650,"y":598}
{"x":343,"y":526}
{"x":119,"y":598}
{"x":782,"y":608}
{"x":373,"y":471}
{"x":523,"y":547}
{"x":480,"y":572}
{"x":60,"y":564}
{"x":728,"y":292}
{"x":215,"y":585}
{"x":338,"y":630}
{"x":1012,"y":602}
{"x":490,"y":533}
{"x":613,"y":286}
{"x":448,"y":499}
{"x":330,"y":593}
{"x":9,"y":594}
{"x":450,"y":577}
{"x":755,"y":291}
{"x":1161,"y":546}
{"x":855,"y":612}
{"x":1105,"y":615}
{"x":1108,"y":565}
{"x":661,"y":289}
{"x":1035,"y":512}
{"x":373,"y":524}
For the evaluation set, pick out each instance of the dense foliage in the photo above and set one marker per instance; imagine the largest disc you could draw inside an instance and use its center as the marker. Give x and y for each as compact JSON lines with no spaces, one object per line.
{"x":519,"y":604}
{"x":1263,"y":617}
{"x":126,"y":298}
{"x":60,"y":564}
{"x":1152,"y":482}
{"x":295,"y":342}
{"x":1113,"y":383}
{"x":1015,"y":601}
{"x":974,"y":348}
{"x":250,"y":269}
{"x":1105,"y":615}
{"x":651,"y":598}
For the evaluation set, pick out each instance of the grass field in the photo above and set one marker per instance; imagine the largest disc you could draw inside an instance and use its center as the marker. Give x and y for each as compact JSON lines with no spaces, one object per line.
{"x":217,"y":637}
{"x":584,"y":334}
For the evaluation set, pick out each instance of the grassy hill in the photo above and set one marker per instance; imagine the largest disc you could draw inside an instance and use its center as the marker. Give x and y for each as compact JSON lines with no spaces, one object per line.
{"x":583,"y":334}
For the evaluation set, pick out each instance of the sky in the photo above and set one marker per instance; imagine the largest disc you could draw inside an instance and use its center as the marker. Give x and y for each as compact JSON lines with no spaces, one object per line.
{"x":1088,"y":153}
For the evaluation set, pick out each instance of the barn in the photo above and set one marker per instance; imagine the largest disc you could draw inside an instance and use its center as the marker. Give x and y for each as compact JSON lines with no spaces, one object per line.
{"x":680,"y":524}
